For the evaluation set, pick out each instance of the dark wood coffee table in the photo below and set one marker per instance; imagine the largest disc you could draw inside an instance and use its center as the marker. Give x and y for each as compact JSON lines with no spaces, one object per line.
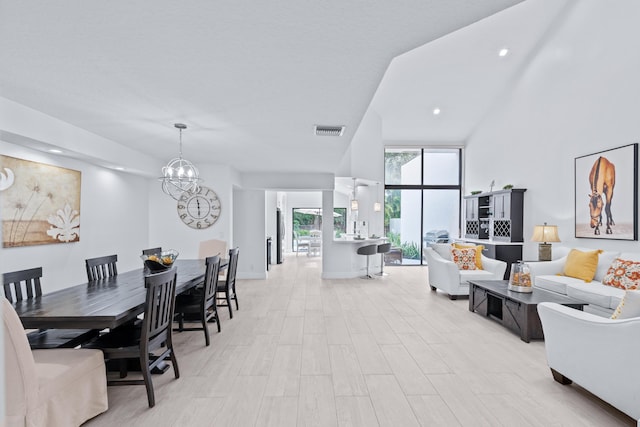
{"x":517,"y":311}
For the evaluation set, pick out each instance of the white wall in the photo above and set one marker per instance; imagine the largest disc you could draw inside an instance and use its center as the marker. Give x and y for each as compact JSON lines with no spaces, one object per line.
{"x":578,"y":96}
{"x":250,"y":233}
{"x":113,"y":211}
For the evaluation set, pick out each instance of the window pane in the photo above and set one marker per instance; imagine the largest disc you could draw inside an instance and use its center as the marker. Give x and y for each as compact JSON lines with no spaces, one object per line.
{"x":441,"y":220}
{"x":402,"y":219}
{"x":442,"y":166}
{"x":402,"y":166}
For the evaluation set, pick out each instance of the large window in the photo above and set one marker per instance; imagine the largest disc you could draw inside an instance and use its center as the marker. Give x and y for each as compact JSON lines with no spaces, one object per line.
{"x":422,"y":199}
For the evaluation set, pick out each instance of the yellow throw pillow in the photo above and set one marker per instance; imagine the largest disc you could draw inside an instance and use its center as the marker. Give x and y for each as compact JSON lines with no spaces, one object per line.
{"x":465,"y":258}
{"x":581,"y":265}
{"x":478,"y":248}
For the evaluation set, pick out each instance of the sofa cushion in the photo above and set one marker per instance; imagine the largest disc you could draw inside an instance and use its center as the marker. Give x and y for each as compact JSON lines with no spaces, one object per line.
{"x":555,"y":283}
{"x":604,"y":262}
{"x":466,"y":275}
{"x":478,"y":248}
{"x":629,"y":306}
{"x":595,"y":293}
{"x":623,"y":274}
{"x":443,"y":249}
{"x":581,"y":265}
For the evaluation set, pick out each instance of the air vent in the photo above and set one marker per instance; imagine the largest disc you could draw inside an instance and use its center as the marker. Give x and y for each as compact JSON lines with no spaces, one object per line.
{"x":329,"y":130}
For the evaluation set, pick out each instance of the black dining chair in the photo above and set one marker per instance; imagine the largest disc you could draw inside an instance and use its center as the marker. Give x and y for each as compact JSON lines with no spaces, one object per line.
{"x":151,"y":343}
{"x":101,"y":267}
{"x":26,"y":285}
{"x":152,"y":251}
{"x":201,"y":302}
{"x":228,"y":286}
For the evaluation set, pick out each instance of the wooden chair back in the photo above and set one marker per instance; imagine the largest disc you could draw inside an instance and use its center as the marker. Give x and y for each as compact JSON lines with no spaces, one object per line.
{"x":230,"y":283}
{"x":16,"y":282}
{"x":158,"y":311}
{"x":101,"y":267}
{"x":210,"y":283}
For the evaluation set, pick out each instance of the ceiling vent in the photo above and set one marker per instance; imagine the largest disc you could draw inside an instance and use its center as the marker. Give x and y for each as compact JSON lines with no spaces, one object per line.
{"x":329,"y":130}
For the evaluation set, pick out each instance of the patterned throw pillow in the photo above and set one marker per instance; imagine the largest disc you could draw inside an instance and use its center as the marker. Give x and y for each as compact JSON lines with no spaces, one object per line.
{"x":629,"y":306}
{"x":478,"y":248}
{"x":465,"y":258}
{"x":623,"y":274}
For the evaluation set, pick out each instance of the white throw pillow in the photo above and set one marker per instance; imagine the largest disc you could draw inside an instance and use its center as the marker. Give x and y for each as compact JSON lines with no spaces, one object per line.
{"x":629,"y":306}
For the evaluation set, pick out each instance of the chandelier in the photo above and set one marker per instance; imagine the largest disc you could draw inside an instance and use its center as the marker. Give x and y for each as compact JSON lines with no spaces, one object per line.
{"x":179,"y":176}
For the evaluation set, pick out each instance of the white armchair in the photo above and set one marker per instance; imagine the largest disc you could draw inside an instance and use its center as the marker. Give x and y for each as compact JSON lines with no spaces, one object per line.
{"x":599,"y":354}
{"x":56,"y":387}
{"x":445,"y":275}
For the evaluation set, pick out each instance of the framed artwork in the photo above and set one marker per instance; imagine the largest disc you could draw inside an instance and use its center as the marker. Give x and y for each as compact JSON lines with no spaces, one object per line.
{"x":606,"y":194}
{"x":39,"y":203}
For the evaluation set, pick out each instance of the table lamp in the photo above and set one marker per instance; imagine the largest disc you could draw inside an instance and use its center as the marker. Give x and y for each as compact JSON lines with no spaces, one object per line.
{"x":545,"y":234}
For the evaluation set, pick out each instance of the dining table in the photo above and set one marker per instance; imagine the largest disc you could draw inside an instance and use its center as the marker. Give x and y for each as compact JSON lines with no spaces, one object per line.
{"x":105,"y":303}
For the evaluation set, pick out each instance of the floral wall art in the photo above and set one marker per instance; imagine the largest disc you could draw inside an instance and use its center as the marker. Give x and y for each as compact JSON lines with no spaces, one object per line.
{"x":39,"y":203}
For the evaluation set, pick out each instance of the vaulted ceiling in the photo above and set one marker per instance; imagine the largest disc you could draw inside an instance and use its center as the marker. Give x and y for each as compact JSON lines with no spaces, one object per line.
{"x":251,"y":79}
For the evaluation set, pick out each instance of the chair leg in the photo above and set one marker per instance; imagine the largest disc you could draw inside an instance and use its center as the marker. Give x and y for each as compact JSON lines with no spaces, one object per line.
{"x":146,"y":375}
{"x":205,"y":328}
{"x":174,"y":363}
{"x":229,"y":304}
{"x":235,"y":297}
{"x":180,"y":322}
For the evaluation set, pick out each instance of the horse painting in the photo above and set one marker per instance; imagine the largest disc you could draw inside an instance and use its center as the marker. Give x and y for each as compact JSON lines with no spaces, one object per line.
{"x":602,"y":180}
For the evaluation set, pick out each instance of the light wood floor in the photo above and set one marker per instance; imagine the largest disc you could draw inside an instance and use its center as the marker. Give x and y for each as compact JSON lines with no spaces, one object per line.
{"x":309,"y":352}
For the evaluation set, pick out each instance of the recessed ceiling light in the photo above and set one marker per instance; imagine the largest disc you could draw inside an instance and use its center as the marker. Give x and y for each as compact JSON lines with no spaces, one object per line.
{"x":55,"y":150}
{"x":436,"y":111}
{"x":503,"y":52}
{"x":119,"y":168}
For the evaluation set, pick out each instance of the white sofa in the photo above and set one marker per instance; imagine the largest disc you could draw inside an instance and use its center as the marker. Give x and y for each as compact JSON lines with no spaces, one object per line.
{"x":445,"y":275}
{"x":602,"y":299}
{"x":599,"y":354}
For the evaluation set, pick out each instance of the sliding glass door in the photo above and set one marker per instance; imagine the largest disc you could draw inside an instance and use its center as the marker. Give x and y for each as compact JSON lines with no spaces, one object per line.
{"x":422,"y":200}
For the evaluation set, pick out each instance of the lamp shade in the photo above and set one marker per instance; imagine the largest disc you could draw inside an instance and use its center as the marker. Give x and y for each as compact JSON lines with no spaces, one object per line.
{"x":354,"y":205}
{"x":545,"y":233}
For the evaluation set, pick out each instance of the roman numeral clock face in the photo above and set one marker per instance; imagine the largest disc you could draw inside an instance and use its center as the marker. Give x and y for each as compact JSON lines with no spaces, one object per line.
{"x":201,"y":209}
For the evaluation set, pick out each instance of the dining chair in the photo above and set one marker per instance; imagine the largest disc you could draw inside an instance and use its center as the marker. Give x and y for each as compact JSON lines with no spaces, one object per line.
{"x":152,"y":251}
{"x":55,"y":387}
{"x":151,"y":343}
{"x":201,"y":302}
{"x":26,"y":285}
{"x":213,"y":247}
{"x":301,"y":242}
{"x":228,"y":286}
{"x":315,"y":243}
{"x":101,"y":267}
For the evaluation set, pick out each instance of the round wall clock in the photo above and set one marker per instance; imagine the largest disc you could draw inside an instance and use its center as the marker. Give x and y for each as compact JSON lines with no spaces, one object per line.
{"x":200,"y":209}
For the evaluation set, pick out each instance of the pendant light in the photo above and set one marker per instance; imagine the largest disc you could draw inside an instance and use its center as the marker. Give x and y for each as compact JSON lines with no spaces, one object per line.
{"x":180,"y":176}
{"x":377,"y":206}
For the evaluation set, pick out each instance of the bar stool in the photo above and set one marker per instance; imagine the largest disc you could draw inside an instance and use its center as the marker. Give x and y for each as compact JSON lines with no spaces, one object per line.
{"x":383,"y":248}
{"x":368,"y":250}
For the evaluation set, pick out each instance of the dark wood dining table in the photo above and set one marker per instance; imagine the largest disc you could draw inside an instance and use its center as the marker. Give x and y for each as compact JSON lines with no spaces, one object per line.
{"x":107,"y":303}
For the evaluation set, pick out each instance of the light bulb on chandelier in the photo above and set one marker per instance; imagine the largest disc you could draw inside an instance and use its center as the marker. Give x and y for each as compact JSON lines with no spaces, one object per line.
{"x":180,"y":176}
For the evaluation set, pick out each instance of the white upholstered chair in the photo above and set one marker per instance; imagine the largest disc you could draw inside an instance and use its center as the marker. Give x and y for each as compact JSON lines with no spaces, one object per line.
{"x":445,"y":275}
{"x":53,"y":387}
{"x":597,"y":353}
{"x":214,"y":247}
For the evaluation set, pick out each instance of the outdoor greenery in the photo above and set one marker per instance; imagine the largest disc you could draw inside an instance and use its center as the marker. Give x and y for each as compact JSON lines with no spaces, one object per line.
{"x":304,"y":222}
{"x":410,"y":250}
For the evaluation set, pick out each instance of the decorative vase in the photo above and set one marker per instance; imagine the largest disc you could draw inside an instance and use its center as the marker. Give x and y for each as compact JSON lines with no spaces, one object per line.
{"x":520,"y":278}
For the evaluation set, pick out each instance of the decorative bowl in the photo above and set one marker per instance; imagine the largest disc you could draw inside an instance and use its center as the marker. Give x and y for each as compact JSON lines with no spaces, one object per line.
{"x":156,"y":263}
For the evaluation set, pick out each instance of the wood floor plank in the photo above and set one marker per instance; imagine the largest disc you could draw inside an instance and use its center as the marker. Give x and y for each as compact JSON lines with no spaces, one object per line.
{"x":389,"y":402}
{"x":355,"y":411}
{"x":316,"y":404}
